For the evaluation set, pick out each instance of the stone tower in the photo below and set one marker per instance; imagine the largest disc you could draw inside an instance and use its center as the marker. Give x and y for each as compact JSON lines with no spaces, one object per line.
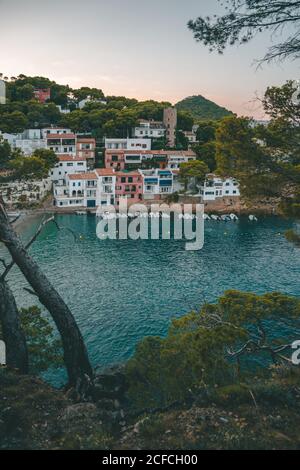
{"x":170,"y":122}
{"x":2,"y":92}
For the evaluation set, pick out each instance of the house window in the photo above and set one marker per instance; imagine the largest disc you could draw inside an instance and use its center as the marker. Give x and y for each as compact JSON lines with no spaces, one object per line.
{"x":123,"y":179}
{"x":114,"y":158}
{"x":130,"y":179}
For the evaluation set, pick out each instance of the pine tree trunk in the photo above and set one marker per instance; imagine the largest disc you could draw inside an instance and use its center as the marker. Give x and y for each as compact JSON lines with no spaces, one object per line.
{"x":79,"y":370}
{"x":13,"y":335}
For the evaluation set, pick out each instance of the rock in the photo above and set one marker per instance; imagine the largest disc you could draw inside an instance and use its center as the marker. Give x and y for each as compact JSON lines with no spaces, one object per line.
{"x":136,"y":428}
{"x":80,"y":410}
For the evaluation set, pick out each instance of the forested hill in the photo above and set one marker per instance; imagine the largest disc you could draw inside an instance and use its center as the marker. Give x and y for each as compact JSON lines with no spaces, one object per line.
{"x":201,"y":108}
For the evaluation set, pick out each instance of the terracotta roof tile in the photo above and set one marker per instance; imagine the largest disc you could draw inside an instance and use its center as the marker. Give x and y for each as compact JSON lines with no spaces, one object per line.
{"x":83,"y":176}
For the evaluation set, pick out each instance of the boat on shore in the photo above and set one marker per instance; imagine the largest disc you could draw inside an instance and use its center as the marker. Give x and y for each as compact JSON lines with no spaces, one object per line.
{"x":225,"y":218}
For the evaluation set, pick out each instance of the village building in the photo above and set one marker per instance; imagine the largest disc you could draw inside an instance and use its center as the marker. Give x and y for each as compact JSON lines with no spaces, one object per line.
{"x":215,"y":187}
{"x":157,"y":183}
{"x":42,"y":94}
{"x":86,"y":148}
{"x":62,"y":143}
{"x":135,"y":159}
{"x":89,"y":189}
{"x":55,"y":130}
{"x":170,"y":123}
{"x":149,"y":129}
{"x":128,"y":144}
{"x":67,"y":165}
{"x":129,"y":185}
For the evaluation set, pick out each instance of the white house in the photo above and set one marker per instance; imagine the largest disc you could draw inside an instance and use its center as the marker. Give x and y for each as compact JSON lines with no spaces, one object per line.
{"x":9,"y":138}
{"x":55,"y":130}
{"x":67,"y":165}
{"x":157,"y":183}
{"x":90,"y":189}
{"x":151,"y":129}
{"x":61,"y":143}
{"x":27,"y":141}
{"x":191,"y":136}
{"x":216,"y":187}
{"x":106,"y":194}
{"x":177,"y":157}
{"x":128,"y":144}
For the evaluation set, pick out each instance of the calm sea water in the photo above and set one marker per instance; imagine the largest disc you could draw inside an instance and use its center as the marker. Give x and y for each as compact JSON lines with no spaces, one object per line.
{"x":122,"y":291}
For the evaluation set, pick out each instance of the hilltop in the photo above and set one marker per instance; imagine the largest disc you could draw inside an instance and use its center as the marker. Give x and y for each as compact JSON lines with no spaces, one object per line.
{"x":202,"y":108}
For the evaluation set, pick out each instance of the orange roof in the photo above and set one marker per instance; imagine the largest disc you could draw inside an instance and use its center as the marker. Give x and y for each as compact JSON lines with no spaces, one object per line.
{"x":127,"y":173}
{"x":105,"y":172}
{"x":83,"y":176}
{"x":70,"y":158}
{"x":60,"y":136}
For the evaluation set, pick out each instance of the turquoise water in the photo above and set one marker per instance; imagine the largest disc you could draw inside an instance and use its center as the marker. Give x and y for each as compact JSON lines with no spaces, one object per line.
{"x":122,"y":291}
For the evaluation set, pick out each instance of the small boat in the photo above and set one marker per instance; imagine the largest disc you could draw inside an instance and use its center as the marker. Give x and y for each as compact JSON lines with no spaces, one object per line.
{"x":252,"y":218}
{"x":206,"y":217}
{"x":225,"y":218}
{"x":214,"y":217}
{"x":233,"y":217}
{"x":80,"y":212}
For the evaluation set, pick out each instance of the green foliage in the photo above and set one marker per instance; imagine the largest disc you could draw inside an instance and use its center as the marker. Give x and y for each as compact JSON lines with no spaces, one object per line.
{"x":206,"y":132}
{"x":207,"y":154}
{"x":14,"y":122}
{"x":182,"y":142}
{"x":5,"y":153}
{"x":242,"y":21}
{"x":211,"y":348}
{"x":49,"y":157}
{"x":185,"y":121}
{"x":84,"y":92}
{"x":280,"y":103}
{"x":29,"y":168}
{"x":35,"y":167}
{"x":201,"y":108}
{"x":45,"y":351}
{"x":194,"y":169}
{"x":236,"y":150}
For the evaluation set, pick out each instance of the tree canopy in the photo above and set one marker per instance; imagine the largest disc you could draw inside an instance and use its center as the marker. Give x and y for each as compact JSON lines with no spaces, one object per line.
{"x":244,"y":19}
{"x":201,"y":108}
{"x":221,"y":344}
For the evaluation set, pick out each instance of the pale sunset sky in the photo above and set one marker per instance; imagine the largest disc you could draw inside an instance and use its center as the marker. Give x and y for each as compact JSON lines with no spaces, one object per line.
{"x":137,"y":48}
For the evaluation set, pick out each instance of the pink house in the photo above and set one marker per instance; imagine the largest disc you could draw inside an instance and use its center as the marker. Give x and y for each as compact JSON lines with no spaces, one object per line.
{"x":115,"y":159}
{"x":129,"y":185}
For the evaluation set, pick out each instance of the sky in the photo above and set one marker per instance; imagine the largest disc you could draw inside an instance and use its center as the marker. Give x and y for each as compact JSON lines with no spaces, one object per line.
{"x":136,"y":48}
